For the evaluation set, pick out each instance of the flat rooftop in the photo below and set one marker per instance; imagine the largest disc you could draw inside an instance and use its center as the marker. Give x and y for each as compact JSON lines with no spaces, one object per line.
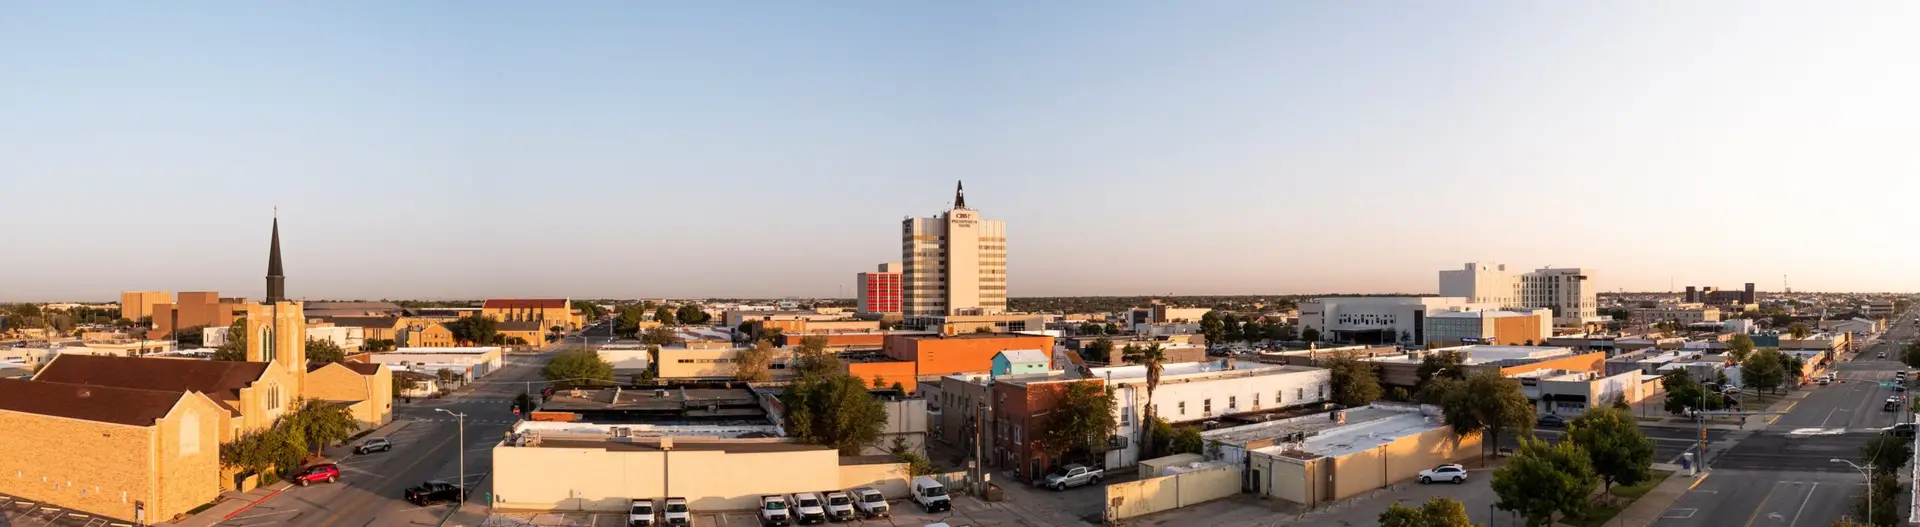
{"x":1312,"y":424}
{"x":440,"y":351}
{"x":1486,"y":354}
{"x":1358,"y":437}
{"x":649,"y":445}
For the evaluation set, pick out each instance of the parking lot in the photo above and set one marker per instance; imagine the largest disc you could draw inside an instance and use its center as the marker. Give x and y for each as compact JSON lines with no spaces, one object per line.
{"x":967,"y":511}
{"x":22,"y":513}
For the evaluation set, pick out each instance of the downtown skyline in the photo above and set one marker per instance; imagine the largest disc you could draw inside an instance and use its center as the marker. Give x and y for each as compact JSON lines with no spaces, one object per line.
{"x":1241,"y":149}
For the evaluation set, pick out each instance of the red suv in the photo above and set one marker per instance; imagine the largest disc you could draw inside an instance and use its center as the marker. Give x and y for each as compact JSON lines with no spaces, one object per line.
{"x":327,"y":472}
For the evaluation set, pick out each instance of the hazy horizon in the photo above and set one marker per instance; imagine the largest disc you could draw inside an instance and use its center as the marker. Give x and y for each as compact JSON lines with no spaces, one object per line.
{"x":610,"y":150}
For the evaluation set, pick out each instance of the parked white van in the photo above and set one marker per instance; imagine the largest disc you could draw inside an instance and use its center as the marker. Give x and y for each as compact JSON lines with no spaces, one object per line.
{"x":931,"y":495}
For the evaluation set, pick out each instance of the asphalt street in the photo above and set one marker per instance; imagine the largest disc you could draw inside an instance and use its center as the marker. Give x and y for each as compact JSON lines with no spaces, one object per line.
{"x":1784,"y":475}
{"x":1668,"y":443}
{"x":429,"y":447}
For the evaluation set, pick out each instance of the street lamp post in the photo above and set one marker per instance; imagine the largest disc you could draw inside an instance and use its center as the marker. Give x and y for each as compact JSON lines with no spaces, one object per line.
{"x":460,"y":451}
{"x":1865,"y":472}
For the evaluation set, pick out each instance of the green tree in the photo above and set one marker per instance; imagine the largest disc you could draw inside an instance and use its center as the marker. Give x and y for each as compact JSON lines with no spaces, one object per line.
{"x":627,"y":322}
{"x":1683,"y":394}
{"x":1886,"y":453}
{"x":1739,"y":347}
{"x":1436,"y":512}
{"x":578,"y":366}
{"x":403,"y":384}
{"x":756,"y":363}
{"x":1884,"y":508}
{"x":324,"y":351}
{"x":692,"y":314}
{"x":664,"y":315}
{"x":1443,"y":363}
{"x":1354,"y":383}
{"x":377,"y":345}
{"x":1098,"y":350}
{"x":811,"y":360}
{"x":1082,"y":420}
{"x":1112,"y":329}
{"x":317,"y":423}
{"x":474,"y":330}
{"x":661,"y":336}
{"x":1619,"y":452}
{"x":1796,"y":367}
{"x":1846,"y":522}
{"x":1486,"y":400}
{"x":447,"y":377}
{"x":253,"y":452}
{"x":1764,"y":370}
{"x":1231,"y":330}
{"x":589,"y":311}
{"x":835,"y":411}
{"x":1089,"y":328}
{"x":1213,"y":328}
{"x":1799,"y":330}
{"x":235,"y":348}
{"x":1154,"y":358}
{"x":1544,"y":479}
{"x":1186,"y":440}
{"x":1910,"y":354}
{"x":1310,"y":335}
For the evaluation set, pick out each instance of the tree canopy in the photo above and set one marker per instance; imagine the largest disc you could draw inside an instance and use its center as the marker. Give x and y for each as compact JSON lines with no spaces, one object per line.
{"x":1486,"y":400}
{"x":1354,"y":383}
{"x":1910,"y":354}
{"x":1886,"y":452}
{"x":692,"y":314}
{"x":835,"y":411}
{"x":661,"y":336}
{"x":475,"y":330}
{"x":578,"y":366}
{"x":1740,"y":346}
{"x":1544,"y":479}
{"x":324,"y":351}
{"x":1082,"y":420}
{"x":1765,"y":369}
{"x":756,"y":363}
{"x":1436,"y":512}
{"x":235,"y":348}
{"x":1619,"y":452}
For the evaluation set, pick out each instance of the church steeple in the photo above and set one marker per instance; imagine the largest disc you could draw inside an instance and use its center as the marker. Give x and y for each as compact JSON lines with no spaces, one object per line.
{"x":959,"y":195}
{"x":276,"y":277}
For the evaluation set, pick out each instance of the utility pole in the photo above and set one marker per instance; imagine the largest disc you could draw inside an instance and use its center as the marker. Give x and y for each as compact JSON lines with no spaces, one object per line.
{"x":460,"y":450}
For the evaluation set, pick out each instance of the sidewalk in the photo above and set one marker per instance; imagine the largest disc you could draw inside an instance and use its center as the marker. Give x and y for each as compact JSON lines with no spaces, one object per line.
{"x":1649,"y":507}
{"x":233,"y":503}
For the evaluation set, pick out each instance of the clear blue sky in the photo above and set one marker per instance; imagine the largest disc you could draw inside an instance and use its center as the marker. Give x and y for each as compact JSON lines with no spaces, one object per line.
{"x":450,"y":149}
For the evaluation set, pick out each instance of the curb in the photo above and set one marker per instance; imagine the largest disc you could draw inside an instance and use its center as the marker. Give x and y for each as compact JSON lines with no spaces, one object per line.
{"x":276,"y":492}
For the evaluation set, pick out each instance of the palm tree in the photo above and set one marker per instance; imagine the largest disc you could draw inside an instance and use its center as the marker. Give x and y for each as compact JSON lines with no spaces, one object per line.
{"x":1152,"y":357}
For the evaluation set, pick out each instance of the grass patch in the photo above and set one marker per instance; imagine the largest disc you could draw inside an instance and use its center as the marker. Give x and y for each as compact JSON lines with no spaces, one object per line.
{"x":1601,"y":512}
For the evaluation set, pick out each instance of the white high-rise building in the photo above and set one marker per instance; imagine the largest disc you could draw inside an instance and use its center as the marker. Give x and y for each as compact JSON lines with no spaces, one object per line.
{"x":1482,"y":284}
{"x":1564,"y":290}
{"x":955,"y":263}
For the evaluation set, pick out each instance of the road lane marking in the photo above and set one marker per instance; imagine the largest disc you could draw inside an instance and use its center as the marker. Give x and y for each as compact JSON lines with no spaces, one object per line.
{"x":1697,"y":481}
{"x":1763,"y":503}
{"x":356,"y":500}
{"x":1803,"y":504}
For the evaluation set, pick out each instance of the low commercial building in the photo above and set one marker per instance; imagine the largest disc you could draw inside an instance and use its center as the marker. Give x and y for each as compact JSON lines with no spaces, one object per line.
{"x":544,"y":311}
{"x":718,"y":364}
{"x":1203,"y":391}
{"x":371,"y":328}
{"x":1571,"y":393}
{"x":348,"y":338}
{"x":1403,"y":370}
{"x":1684,"y":313}
{"x":1349,"y":455}
{"x":963,"y":353}
{"x":1517,"y":327}
{"x":1115,"y":355}
{"x":1378,"y":320}
{"x":1856,"y":326}
{"x":471,"y":363}
{"x":135,"y":305}
{"x":731,"y":407}
{"x":600,"y":468}
{"x":366,"y":390}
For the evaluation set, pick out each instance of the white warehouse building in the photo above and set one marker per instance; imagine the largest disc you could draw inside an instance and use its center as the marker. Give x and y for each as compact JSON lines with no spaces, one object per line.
{"x":1379,"y":319}
{"x":1199,"y":391}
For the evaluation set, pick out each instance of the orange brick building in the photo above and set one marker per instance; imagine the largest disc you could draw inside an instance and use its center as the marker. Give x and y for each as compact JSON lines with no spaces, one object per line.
{"x":886,"y":371}
{"x":970,"y":352}
{"x":196,"y":309}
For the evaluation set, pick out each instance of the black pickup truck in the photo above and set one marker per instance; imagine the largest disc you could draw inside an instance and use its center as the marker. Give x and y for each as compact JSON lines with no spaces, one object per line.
{"x":433,"y":492}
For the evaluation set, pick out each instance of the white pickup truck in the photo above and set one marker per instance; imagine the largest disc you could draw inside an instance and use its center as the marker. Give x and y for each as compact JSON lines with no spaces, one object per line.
{"x":1072,"y":476}
{"x":870,"y":502}
{"x":775,"y":511}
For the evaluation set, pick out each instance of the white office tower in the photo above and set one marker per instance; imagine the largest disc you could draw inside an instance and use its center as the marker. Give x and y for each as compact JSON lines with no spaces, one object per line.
{"x":1482,"y":284}
{"x":956,"y":263}
{"x":1567,"y":291}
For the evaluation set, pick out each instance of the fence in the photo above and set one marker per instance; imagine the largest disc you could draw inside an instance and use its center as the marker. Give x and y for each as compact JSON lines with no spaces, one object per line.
{"x":1148,"y":496}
